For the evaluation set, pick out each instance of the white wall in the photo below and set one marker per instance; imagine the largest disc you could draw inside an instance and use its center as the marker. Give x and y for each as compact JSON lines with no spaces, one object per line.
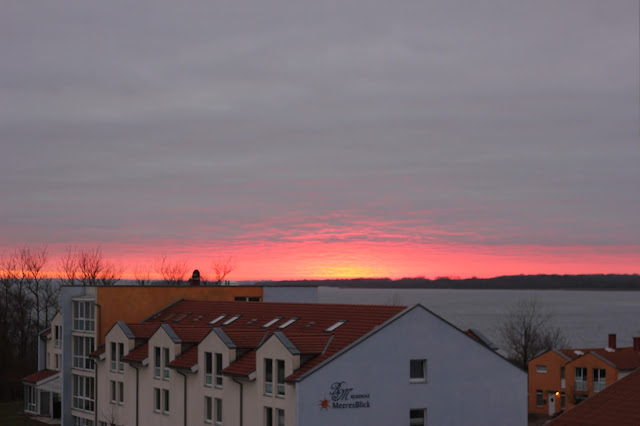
{"x":466,"y":382}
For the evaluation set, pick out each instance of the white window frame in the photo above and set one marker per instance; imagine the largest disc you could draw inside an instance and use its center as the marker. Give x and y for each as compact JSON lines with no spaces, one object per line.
{"x":120,"y":393}
{"x":157,"y":362}
{"x":581,"y":385}
{"x":418,"y":377}
{"x":218,"y":411}
{"x":165,"y":402}
{"x":208,"y":409}
{"x":165,"y":365}
{"x":208,"y":369}
{"x":30,"y":399}
{"x":82,"y":347}
{"x":268,"y":376}
{"x":113,"y":357}
{"x":218,"y":370}
{"x":598,"y":375}
{"x":83,"y":393}
{"x":279,"y":417}
{"x":418,"y":421}
{"x":56,"y":334}
{"x":539,"y":398}
{"x":83,"y":315}
{"x":280,"y":375}
{"x":120,"y":356}
{"x":157,"y":400}
{"x":112,"y":391}
{"x":268,"y":416}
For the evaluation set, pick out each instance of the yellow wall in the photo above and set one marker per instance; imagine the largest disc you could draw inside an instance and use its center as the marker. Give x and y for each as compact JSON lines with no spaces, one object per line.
{"x":135,"y":303}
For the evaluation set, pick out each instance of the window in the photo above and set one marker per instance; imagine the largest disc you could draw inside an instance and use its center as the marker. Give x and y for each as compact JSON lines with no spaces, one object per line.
{"x":280,"y":365}
{"x":562,"y":379}
{"x":417,"y":417}
{"x":539,"y":399}
{"x":121,"y":393}
{"x":232,"y":319}
{"x":268,"y":416}
{"x":113,"y":392}
{"x":57,"y":336}
{"x":218,"y":319}
{"x":417,"y":370}
{"x":599,"y":379}
{"x":82,"y":347}
{"x":113,"y":356}
{"x":581,"y":379}
{"x":208,"y":414}
{"x":165,"y":401}
{"x":280,"y":417}
{"x":218,"y":412}
{"x":83,"y":393}
{"x":156,"y":373}
{"x":83,"y":316}
{"x":336,"y":325}
{"x":246,"y":299}
{"x":166,"y":363}
{"x":156,"y":400}
{"x":219,"y":370}
{"x":563,"y":402}
{"x":30,"y":398}
{"x":273,"y":321}
{"x":208,"y":369}
{"x":288,"y":323}
{"x":57,"y":359}
{"x":80,"y":421}
{"x":541,"y":369}
{"x":268,"y":376}
{"x":120,"y":356}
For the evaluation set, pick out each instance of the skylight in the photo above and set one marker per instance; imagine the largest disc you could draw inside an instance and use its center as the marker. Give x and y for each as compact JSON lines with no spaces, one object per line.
{"x":273,"y":321}
{"x":336,"y":325}
{"x":232,"y":319}
{"x":288,"y":323}
{"x":218,"y":319}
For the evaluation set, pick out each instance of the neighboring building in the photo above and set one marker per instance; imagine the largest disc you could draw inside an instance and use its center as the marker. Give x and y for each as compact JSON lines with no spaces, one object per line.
{"x":285,"y":364}
{"x":616,"y":405}
{"x":89,"y":312}
{"x":42,"y":391}
{"x":558,"y":380}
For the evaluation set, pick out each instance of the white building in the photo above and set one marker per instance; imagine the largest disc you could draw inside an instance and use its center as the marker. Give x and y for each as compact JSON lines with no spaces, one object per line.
{"x":242,"y":363}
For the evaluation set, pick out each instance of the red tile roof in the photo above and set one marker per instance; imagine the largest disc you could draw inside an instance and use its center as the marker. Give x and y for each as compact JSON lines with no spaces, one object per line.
{"x":618,"y":404}
{"x":101,"y":349}
{"x":243,"y":366}
{"x":622,"y":358}
{"x":190,"y":320}
{"x":187,"y":359}
{"x":39,"y":376}
{"x":138,"y":354}
{"x":46,"y":332}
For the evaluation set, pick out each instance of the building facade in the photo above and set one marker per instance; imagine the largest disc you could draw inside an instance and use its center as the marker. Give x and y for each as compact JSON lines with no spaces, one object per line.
{"x":560,"y":379}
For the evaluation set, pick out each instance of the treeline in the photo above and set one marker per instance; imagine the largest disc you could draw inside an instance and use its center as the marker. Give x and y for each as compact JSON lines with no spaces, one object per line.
{"x":512,"y":282}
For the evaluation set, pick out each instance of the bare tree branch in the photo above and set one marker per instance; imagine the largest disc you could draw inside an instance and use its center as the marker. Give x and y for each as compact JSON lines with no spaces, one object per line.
{"x":222,"y":267}
{"x":173,"y":273}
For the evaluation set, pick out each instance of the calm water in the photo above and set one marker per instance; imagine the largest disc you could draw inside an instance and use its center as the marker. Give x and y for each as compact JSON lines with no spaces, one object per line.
{"x":586,"y":317}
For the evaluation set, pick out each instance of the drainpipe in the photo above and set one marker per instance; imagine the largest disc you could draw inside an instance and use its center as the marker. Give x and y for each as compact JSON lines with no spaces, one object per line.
{"x":137,"y":403}
{"x":185,"y":395}
{"x":239,"y":383}
{"x":99,"y":325}
{"x":95,"y":394}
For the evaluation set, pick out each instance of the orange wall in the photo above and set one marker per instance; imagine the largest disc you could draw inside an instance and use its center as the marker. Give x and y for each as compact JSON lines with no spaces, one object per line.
{"x":546,"y":382}
{"x":135,"y":303}
{"x":590,"y":362}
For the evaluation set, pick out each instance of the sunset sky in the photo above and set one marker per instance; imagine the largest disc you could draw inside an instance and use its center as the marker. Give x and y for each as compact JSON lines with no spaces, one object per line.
{"x":315,"y":139}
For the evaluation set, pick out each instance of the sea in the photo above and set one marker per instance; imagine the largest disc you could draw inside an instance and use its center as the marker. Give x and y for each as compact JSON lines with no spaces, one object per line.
{"x":585,"y":317}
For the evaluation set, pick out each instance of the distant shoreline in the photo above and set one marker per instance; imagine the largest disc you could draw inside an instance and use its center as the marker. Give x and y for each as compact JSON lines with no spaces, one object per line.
{"x":609,"y":282}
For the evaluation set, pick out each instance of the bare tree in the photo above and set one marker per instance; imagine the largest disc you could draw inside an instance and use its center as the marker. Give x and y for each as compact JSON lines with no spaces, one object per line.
{"x":33,"y":261}
{"x":88,"y":267}
{"x":222,"y":267}
{"x":142,"y":275}
{"x":68,"y":265}
{"x":173,"y":273}
{"x":527,"y":330}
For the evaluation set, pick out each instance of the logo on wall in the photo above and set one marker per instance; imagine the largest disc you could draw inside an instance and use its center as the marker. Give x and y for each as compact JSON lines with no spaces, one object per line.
{"x":342,"y":397}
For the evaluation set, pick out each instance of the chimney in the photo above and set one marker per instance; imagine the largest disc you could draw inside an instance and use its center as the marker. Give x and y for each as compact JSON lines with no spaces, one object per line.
{"x":612,"y":341}
{"x":195,"y":278}
{"x":636,"y":344}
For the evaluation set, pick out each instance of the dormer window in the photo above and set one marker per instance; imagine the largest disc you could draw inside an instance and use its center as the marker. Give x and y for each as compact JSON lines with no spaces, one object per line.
{"x":273,"y":321}
{"x":334,"y":326}
{"x":232,"y":319}
{"x":218,"y":319}
{"x":288,"y":323}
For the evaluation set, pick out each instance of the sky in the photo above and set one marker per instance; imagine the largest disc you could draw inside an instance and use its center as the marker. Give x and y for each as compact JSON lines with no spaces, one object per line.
{"x":357,"y":138}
